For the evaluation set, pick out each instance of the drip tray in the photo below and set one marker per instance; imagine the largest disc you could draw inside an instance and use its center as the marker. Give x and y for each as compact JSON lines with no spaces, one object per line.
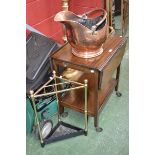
{"x":63,"y":131}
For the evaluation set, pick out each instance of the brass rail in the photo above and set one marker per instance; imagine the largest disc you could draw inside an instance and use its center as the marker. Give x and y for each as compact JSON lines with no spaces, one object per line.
{"x":70,"y":81}
{"x":43,"y":86}
{"x":57,"y":91}
{"x":56,"y":84}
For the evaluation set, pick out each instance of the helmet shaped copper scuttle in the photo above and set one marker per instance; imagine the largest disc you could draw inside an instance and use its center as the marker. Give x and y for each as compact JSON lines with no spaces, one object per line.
{"x":86,"y":33}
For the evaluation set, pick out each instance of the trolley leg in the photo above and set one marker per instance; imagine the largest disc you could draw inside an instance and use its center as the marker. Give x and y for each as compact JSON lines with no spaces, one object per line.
{"x":117,"y":78}
{"x":64,"y":114}
{"x":96,"y":123}
{"x":86,"y":107}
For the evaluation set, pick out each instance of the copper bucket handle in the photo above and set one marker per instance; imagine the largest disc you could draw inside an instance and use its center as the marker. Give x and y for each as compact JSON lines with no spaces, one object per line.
{"x":94,"y":27}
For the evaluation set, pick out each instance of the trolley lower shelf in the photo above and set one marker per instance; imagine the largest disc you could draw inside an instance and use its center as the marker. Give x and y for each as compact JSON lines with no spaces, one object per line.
{"x":74,"y":99}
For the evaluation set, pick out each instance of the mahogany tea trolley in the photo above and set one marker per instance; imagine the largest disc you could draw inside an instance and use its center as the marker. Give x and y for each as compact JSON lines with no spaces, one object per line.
{"x":99,"y":71}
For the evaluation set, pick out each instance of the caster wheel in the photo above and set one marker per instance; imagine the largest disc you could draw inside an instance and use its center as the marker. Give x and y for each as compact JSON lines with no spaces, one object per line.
{"x":118,"y":94}
{"x":64,"y":114}
{"x":98,"y":129}
{"x":42,"y":145}
{"x":85,"y":133}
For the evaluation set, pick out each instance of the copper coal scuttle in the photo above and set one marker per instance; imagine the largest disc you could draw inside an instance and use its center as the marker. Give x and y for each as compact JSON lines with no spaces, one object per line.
{"x":86,"y":33}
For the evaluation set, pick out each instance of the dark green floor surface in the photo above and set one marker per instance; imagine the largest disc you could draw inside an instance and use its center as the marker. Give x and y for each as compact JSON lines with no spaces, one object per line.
{"x":113,"y":140}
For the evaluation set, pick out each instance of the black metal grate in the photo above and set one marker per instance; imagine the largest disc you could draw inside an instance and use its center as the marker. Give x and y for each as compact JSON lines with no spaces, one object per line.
{"x":63,"y":131}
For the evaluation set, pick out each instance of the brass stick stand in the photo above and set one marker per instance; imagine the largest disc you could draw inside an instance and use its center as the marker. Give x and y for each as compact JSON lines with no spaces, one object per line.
{"x":41,"y":92}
